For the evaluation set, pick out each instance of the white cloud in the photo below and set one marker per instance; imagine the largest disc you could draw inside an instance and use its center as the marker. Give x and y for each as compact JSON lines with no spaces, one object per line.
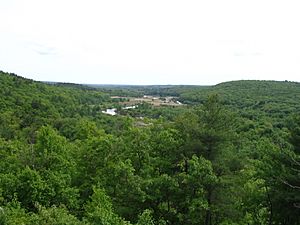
{"x":150,"y":42}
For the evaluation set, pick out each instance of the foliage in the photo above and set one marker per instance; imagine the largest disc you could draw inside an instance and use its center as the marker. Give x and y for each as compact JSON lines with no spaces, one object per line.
{"x":230,"y":155}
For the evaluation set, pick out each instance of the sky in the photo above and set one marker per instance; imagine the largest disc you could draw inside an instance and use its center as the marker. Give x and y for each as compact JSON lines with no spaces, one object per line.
{"x":150,"y":41}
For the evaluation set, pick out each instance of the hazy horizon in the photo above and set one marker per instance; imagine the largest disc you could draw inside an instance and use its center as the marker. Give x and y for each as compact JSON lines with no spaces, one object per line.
{"x":150,"y":43}
{"x":129,"y":84}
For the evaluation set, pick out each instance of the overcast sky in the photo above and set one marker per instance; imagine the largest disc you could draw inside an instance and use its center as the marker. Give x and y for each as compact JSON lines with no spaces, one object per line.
{"x":150,"y":42}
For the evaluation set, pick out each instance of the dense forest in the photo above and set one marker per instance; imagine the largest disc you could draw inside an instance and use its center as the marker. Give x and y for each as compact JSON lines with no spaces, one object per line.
{"x":229,"y":155}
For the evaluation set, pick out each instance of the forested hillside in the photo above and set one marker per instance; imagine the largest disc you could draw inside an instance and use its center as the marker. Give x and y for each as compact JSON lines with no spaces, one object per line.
{"x":230,"y":155}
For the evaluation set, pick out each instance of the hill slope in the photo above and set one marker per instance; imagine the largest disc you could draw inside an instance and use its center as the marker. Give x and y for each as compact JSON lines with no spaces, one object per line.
{"x":273,"y":98}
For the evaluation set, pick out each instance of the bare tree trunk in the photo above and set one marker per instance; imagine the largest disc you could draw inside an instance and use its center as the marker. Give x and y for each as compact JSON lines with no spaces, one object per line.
{"x":270,"y":207}
{"x":208,"y":211}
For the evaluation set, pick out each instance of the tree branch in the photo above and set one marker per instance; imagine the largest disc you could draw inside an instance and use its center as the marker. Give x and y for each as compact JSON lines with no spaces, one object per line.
{"x":288,"y":184}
